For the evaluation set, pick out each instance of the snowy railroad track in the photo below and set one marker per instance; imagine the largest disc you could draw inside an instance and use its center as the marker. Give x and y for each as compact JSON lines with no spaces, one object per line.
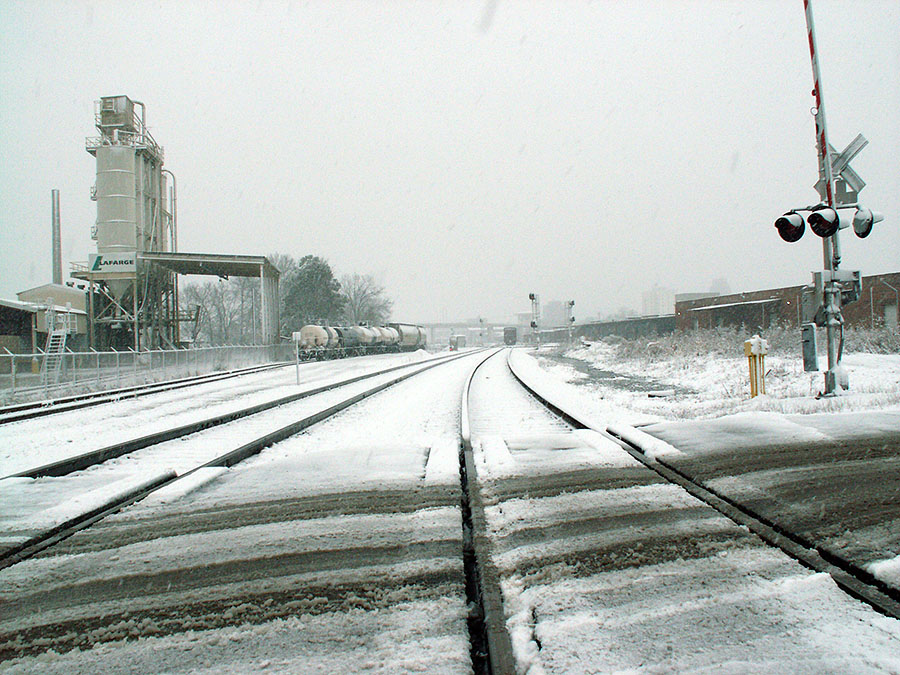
{"x":338,"y":548}
{"x":49,"y":510}
{"x":362,"y":544}
{"x":602,"y":563}
{"x":52,"y":438}
{"x":847,"y":574}
{"x":77,"y":462}
{"x":33,"y":409}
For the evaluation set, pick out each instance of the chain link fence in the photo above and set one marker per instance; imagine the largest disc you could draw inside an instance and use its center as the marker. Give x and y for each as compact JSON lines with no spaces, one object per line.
{"x":21,"y":381}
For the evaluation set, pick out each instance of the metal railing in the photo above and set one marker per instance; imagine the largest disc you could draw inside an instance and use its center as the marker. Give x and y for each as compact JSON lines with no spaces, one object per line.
{"x":129,"y":138}
{"x":20,"y":378}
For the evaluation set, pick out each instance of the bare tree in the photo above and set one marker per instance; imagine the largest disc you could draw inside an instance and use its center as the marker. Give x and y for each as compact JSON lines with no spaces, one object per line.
{"x":226,"y":313}
{"x":365,"y":300}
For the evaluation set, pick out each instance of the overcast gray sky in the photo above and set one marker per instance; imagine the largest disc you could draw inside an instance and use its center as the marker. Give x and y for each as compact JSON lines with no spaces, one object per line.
{"x":464,"y":153}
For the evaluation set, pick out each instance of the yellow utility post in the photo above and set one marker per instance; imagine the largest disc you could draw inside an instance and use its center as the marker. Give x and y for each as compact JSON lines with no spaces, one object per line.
{"x":755,"y":350}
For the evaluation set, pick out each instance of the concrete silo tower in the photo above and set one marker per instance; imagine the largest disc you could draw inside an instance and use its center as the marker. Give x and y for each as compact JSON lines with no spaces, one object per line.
{"x":132,"y":304}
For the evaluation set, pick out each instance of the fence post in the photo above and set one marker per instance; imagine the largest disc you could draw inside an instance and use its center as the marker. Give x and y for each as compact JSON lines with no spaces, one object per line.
{"x":12,"y":368}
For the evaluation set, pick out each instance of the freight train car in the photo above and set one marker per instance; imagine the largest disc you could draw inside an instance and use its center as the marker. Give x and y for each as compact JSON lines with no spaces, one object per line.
{"x":334,"y":342}
{"x":510,"y":335}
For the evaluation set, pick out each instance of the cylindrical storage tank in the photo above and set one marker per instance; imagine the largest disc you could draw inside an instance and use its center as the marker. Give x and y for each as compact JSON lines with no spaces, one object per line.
{"x":423,"y":337}
{"x":312,"y":337}
{"x":333,"y":339}
{"x":116,"y":202}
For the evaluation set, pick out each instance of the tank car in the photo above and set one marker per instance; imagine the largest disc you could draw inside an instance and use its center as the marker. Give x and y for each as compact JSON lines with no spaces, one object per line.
{"x":313,"y":337}
{"x":326,"y":342}
{"x":412,"y":337}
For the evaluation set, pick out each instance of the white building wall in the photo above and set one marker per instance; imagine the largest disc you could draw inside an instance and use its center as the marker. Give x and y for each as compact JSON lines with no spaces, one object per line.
{"x":658,"y":301}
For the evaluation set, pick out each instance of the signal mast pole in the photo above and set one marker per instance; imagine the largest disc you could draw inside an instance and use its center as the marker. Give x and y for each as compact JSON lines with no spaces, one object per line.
{"x":830,"y":245}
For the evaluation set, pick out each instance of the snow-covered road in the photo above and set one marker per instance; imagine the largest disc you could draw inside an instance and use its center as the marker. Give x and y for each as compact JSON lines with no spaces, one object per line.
{"x":832,"y":479}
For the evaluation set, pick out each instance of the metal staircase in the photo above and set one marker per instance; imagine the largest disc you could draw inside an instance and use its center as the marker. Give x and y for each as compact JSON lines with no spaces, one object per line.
{"x":51,"y":366}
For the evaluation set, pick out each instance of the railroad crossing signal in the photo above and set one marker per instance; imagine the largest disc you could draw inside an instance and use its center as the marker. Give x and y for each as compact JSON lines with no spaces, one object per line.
{"x":824,"y":219}
{"x":863,"y":220}
{"x":848,"y":183}
{"x":838,"y":187}
{"x":791,"y":226}
{"x":825,"y":222}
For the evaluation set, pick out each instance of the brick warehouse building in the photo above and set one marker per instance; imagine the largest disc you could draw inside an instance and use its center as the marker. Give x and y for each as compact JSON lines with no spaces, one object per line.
{"x":877,"y":306}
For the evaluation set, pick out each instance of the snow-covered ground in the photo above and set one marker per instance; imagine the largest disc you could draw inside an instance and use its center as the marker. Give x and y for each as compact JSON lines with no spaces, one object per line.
{"x":821,"y":488}
{"x":31,"y":443}
{"x":340,"y":549}
{"x":29,"y":506}
{"x":337,"y":549}
{"x":705,"y":385}
{"x":604,"y":568}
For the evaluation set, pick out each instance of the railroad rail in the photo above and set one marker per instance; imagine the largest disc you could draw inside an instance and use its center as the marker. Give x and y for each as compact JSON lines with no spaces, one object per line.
{"x":531,"y":532}
{"x":94,"y":457}
{"x":491,"y":646}
{"x":48,"y":537}
{"x":855,"y":581}
{"x":33,"y":409}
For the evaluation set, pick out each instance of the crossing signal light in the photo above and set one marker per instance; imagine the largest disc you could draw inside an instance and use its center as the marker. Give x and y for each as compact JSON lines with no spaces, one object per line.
{"x":824,"y":221}
{"x":790,"y":226}
{"x":863,"y":220}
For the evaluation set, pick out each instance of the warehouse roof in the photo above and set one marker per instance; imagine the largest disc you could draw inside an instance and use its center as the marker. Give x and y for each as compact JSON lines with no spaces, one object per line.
{"x":735,"y":304}
{"x":35,"y":307}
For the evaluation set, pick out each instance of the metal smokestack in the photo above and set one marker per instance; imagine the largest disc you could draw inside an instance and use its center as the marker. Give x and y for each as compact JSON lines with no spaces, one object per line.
{"x":57,"y":243}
